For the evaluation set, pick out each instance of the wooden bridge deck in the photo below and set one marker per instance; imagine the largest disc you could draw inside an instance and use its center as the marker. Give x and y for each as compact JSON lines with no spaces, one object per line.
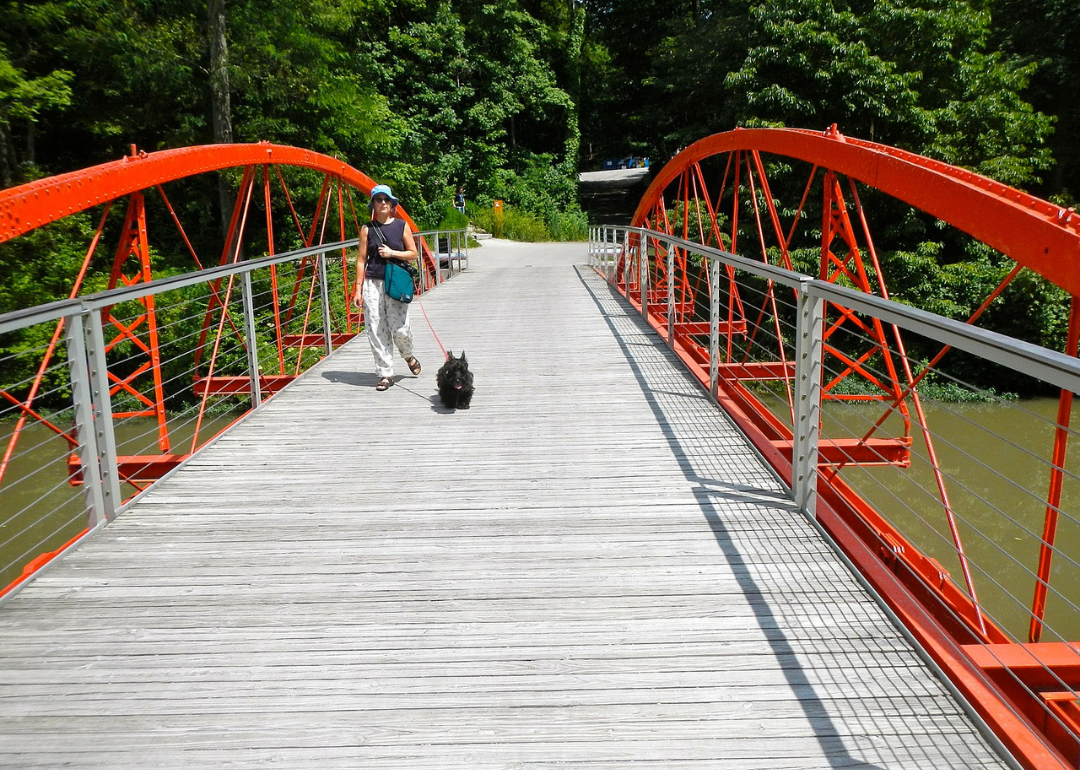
{"x":588,"y":569}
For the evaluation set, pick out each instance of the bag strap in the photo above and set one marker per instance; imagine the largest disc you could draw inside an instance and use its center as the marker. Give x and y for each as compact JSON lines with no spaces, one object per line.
{"x":375,"y":227}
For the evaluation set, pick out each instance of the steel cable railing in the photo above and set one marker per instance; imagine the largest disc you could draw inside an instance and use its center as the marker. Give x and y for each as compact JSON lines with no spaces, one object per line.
{"x":948,"y":494}
{"x":182,"y":359}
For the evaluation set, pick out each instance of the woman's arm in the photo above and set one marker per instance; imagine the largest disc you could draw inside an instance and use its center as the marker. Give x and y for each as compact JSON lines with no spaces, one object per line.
{"x":361,"y":268}
{"x":411,"y":253}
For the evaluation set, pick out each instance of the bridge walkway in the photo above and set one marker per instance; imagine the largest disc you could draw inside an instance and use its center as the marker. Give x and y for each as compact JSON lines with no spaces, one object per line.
{"x":590,"y":568}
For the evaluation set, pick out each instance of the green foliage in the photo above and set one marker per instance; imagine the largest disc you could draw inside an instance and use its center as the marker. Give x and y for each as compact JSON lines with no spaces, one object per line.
{"x":931,"y":390}
{"x":915,"y":74}
{"x":507,"y":98}
{"x":513,"y":224}
{"x":1046,"y":33}
{"x":481,"y":103}
{"x":539,"y":188}
{"x":297,"y":81}
{"x":569,"y":226}
{"x":22,"y":100}
{"x":29,"y":280}
{"x":1031,"y":308}
{"x":808,"y":63}
{"x":517,"y":224}
{"x":452,"y":219}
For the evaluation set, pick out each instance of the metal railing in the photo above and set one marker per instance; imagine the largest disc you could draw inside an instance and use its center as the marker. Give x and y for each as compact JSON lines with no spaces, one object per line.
{"x":955,"y":502}
{"x":181,"y":358}
{"x":450,"y":249}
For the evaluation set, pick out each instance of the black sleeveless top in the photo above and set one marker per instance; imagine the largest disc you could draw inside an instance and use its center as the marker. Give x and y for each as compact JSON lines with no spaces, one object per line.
{"x":392,"y":234}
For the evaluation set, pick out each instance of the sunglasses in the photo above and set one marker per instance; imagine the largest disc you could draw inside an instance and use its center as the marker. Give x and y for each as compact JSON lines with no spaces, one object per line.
{"x":381,"y":199}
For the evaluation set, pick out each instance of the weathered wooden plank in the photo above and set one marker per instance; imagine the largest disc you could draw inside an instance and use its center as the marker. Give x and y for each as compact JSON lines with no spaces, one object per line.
{"x":213,"y":649}
{"x":671,"y":723}
{"x":350,"y":749}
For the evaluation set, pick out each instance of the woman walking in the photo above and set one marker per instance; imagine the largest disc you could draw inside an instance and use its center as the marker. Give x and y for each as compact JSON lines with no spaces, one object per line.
{"x":384,"y":238}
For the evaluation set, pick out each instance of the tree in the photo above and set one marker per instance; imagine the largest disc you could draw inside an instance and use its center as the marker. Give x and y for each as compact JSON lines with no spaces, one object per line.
{"x":911,"y":74}
{"x":29,"y":88}
{"x":621,"y":38}
{"x":22,"y":100}
{"x":972,"y":97}
{"x":1046,"y":33}
{"x":220,"y":100}
{"x":481,"y":104}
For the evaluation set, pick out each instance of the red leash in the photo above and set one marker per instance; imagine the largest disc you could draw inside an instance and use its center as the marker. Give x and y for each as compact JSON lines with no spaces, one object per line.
{"x":433,"y":334}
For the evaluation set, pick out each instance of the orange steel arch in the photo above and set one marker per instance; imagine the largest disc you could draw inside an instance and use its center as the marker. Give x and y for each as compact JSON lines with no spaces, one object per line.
{"x":1035,"y":233}
{"x":47,"y":200}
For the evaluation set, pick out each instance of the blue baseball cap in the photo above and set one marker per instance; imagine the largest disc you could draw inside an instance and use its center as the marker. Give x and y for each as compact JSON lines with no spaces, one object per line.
{"x":382,"y":189}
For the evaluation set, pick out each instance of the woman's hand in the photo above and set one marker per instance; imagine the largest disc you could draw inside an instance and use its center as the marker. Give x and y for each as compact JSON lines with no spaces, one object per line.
{"x":386,"y":252}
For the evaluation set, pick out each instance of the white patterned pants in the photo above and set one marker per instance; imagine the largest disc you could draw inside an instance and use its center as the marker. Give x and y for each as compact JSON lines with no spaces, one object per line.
{"x":387,"y":322}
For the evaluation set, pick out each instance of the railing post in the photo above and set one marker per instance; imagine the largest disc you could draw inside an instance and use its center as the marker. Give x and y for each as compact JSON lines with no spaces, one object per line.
{"x":438,"y":259}
{"x":809,"y":334}
{"x":254,"y":374}
{"x":85,"y":430}
{"x":714,"y":328}
{"x":421,"y":285}
{"x":324,"y":292}
{"x":104,"y":429}
{"x":449,"y":256}
{"x":609,"y":237}
{"x":449,"y":253}
{"x":609,"y":254}
{"x":643,"y":274}
{"x":671,"y":295}
{"x":613,"y":257}
{"x":604,"y":247}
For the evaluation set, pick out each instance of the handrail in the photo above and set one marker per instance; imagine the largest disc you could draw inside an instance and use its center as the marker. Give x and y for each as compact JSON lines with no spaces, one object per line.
{"x":1052,"y":366}
{"x":53,"y":311}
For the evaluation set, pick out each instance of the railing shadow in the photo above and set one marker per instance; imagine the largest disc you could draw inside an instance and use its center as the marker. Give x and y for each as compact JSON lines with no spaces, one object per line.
{"x":763,"y":495}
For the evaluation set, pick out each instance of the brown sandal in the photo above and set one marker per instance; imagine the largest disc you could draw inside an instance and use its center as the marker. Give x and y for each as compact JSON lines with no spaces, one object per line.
{"x":384,"y":383}
{"x":414,"y":365}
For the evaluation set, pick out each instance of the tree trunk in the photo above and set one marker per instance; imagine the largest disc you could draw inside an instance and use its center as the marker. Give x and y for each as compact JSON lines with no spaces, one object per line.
{"x":8,"y":163}
{"x":220,"y":105}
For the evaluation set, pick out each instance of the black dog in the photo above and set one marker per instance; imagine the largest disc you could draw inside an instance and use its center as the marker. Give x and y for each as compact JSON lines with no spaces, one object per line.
{"x":455,"y":382}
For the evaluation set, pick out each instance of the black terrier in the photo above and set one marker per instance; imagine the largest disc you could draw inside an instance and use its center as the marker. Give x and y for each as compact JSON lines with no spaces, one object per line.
{"x":455,"y":382}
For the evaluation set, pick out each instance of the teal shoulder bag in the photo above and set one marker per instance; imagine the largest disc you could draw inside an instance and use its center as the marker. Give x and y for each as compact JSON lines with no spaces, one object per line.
{"x":398,"y":282}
